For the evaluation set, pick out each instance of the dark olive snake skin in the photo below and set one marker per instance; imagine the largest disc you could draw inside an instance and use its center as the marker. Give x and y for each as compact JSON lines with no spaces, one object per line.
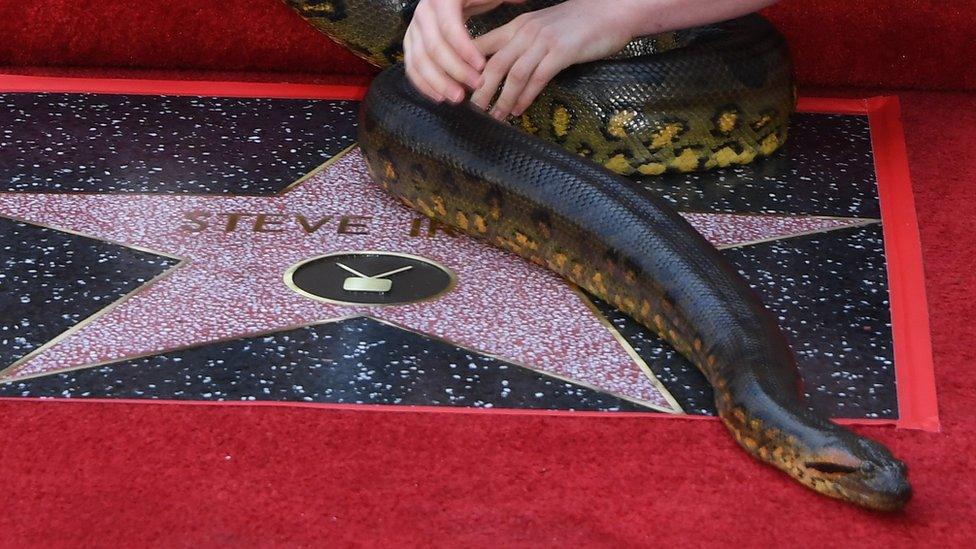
{"x":717,"y":96}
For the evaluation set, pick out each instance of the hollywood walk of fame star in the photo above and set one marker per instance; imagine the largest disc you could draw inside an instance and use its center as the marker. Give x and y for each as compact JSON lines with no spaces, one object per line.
{"x":234,"y":252}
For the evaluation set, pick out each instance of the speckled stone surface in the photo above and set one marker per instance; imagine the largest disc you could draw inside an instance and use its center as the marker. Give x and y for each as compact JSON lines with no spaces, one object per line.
{"x":55,"y":142}
{"x":354,"y":361}
{"x":826,"y":168}
{"x":51,"y":280}
{"x":501,"y":305}
{"x":679,"y":376}
{"x":830,"y":294}
{"x":822,"y":183}
{"x":232,"y":282}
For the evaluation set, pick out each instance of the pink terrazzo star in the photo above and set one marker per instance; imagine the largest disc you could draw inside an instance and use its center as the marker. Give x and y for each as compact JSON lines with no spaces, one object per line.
{"x":236,"y":249}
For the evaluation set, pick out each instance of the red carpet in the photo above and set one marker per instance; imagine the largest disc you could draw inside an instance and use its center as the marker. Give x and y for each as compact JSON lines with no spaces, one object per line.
{"x":114,"y":474}
{"x":900,"y":43}
{"x":135,"y":473}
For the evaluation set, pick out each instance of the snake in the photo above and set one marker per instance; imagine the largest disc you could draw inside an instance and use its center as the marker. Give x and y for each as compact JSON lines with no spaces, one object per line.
{"x":557,"y":185}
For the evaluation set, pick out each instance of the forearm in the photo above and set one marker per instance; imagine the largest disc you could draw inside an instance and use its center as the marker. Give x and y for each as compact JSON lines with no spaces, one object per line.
{"x":654,"y":16}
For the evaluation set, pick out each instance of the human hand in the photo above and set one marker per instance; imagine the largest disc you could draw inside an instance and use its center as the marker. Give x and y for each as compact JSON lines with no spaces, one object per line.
{"x":531,"y":49}
{"x":440,"y":57}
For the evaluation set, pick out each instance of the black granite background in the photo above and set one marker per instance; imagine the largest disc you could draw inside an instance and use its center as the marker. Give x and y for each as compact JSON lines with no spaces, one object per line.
{"x":57,"y":142}
{"x":829,"y":290}
{"x":830,"y":294}
{"x":825,"y":168}
{"x":354,"y":361}
{"x":50,"y":280}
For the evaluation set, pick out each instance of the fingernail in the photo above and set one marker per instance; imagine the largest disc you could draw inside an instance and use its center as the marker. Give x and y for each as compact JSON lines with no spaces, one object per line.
{"x":499,"y":115}
{"x":458,"y":96}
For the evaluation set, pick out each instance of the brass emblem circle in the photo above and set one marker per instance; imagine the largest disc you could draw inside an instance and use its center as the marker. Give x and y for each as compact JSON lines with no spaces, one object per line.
{"x":370,"y":278}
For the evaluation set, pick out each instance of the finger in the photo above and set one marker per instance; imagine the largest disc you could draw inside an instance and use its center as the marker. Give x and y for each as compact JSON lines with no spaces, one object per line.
{"x":457,"y":69}
{"x":498,"y":68}
{"x":490,"y":42}
{"x":413,"y":75}
{"x":432,"y":74}
{"x":456,"y":34}
{"x":495,"y":72}
{"x":422,"y":86}
{"x":548,"y":68}
{"x":428,"y":25}
{"x":516,"y":81}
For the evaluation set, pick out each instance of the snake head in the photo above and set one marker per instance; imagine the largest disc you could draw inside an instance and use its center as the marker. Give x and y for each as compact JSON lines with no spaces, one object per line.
{"x":860,"y":471}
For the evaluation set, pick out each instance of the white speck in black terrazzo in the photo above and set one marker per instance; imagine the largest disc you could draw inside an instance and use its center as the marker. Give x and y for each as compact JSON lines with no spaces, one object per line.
{"x":354,"y":361}
{"x":50,"y":280}
{"x":825,"y":168}
{"x":57,"y":142}
{"x":830,"y":294}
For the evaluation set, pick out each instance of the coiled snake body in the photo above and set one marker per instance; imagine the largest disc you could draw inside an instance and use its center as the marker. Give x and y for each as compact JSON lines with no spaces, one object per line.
{"x":545,"y":190}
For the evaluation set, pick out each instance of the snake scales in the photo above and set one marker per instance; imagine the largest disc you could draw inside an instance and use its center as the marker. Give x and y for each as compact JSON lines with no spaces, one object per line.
{"x":545,"y":190}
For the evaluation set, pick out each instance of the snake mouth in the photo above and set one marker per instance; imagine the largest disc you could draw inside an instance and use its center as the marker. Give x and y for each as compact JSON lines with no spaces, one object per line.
{"x":829,"y":468}
{"x":882,"y":487}
{"x":892,"y":498}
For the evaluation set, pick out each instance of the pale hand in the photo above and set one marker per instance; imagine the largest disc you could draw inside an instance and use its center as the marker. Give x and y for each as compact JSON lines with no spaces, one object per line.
{"x":440,"y":57}
{"x":531,"y":49}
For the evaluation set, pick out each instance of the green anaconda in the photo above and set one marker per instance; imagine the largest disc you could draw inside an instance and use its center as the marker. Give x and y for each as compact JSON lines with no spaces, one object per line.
{"x":544,"y":188}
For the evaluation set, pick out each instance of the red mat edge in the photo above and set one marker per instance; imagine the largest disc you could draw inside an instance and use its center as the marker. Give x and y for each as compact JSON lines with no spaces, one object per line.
{"x":914,"y":369}
{"x":270,"y":90}
{"x":405,"y":409}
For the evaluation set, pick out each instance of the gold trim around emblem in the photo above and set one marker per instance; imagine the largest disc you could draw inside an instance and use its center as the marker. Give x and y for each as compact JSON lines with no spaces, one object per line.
{"x":290,"y":282}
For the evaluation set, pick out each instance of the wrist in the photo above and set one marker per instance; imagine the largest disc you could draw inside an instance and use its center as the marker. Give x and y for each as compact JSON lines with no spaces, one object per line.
{"x":629,"y":18}
{"x":625,"y":18}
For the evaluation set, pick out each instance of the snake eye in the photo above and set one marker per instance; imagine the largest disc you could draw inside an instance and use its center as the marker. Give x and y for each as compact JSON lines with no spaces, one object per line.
{"x":830,"y":468}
